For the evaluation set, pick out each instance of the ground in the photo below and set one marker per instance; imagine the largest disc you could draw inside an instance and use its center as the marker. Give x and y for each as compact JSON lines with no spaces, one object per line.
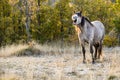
{"x":60,"y":65}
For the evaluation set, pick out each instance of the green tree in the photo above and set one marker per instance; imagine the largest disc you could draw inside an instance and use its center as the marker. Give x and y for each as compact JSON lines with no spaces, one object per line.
{"x":51,"y":21}
{"x":5,"y":22}
{"x":117,"y":19}
{"x":64,"y":12}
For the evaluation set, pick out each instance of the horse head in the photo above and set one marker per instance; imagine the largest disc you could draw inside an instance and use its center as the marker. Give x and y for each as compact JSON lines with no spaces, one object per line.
{"x":77,"y":18}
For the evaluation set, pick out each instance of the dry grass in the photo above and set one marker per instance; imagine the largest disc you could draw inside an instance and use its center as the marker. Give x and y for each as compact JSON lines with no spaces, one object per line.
{"x":12,"y":49}
{"x":55,"y":63}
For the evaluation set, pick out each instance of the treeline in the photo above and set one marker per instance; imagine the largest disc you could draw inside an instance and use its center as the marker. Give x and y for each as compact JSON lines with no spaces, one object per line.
{"x":43,"y":21}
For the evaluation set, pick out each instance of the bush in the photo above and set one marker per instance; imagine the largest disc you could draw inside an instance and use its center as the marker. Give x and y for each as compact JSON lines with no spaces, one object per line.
{"x":110,"y":41}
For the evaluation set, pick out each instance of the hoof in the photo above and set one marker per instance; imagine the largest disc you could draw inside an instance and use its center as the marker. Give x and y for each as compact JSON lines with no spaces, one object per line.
{"x":84,"y":61}
{"x":93,"y":62}
{"x":100,"y":58}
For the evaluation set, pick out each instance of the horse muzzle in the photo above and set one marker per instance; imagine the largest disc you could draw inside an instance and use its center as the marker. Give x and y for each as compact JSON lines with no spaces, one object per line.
{"x":74,"y":23}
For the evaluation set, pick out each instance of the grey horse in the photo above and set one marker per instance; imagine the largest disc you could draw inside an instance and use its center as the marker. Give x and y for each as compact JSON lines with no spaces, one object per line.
{"x":90,"y":32}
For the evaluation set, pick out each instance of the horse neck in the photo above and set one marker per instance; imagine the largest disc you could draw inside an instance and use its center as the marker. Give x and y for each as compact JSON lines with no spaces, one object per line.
{"x":85,"y":27}
{"x":88,"y":24}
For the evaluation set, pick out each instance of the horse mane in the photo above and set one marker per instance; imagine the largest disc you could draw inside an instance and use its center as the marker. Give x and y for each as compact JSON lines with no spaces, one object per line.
{"x":88,"y":21}
{"x":83,"y":21}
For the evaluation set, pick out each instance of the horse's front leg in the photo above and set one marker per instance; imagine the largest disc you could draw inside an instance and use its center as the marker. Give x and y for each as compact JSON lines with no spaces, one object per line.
{"x":83,"y":51}
{"x":91,"y":51}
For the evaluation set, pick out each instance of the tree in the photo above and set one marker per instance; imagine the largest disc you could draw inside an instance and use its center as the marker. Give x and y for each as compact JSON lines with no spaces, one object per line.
{"x":117,"y":19}
{"x":46,"y":21}
{"x":64,"y":12}
{"x":5,"y":22}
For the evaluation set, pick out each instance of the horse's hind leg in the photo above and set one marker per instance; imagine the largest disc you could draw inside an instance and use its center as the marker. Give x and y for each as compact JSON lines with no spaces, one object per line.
{"x":96,"y":48}
{"x":95,"y":56}
{"x":100,"y":51}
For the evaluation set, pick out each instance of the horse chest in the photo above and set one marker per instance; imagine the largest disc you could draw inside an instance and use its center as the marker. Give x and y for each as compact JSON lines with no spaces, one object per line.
{"x":87,"y":36}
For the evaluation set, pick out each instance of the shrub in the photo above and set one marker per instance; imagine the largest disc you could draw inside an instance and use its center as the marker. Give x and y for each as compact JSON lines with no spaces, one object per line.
{"x":110,"y":41}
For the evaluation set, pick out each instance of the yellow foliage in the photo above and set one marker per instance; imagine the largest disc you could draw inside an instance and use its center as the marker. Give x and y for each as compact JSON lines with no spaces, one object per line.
{"x":110,"y":41}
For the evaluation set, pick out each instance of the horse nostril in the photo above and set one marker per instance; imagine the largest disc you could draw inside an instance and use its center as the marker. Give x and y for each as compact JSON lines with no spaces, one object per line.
{"x":75,"y":20}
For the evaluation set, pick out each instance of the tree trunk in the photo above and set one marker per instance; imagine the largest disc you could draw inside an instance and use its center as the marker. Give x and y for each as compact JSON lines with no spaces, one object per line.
{"x":27,"y":23}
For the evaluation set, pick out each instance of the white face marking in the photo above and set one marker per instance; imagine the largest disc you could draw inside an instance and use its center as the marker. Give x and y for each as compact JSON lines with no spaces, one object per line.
{"x":75,"y":16}
{"x":76,"y":19}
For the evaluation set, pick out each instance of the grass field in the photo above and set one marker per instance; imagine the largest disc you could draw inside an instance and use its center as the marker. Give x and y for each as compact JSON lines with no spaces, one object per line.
{"x":48,"y":62}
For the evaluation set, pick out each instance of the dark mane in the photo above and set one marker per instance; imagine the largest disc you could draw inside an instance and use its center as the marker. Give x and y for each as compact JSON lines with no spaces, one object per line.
{"x":88,"y":21}
{"x":83,"y":21}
